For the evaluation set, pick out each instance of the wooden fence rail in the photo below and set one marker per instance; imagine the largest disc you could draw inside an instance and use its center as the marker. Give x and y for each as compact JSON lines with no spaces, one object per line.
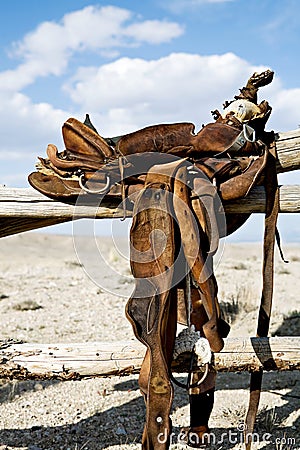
{"x":25,"y":209}
{"x":102,"y":359}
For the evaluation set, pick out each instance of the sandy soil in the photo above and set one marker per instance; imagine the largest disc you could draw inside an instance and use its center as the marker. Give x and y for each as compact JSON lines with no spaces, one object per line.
{"x":53,"y":292}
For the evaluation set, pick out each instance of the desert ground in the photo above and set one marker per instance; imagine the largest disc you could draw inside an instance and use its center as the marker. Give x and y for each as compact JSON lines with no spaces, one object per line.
{"x":56,"y":289}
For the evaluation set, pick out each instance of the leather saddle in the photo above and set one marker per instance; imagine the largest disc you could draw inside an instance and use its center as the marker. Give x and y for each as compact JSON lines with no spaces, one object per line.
{"x":176,"y":181}
{"x":222,"y":149}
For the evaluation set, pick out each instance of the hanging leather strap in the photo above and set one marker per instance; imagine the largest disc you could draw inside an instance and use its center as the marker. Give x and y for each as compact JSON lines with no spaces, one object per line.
{"x":272,"y":209}
{"x":201,"y":268}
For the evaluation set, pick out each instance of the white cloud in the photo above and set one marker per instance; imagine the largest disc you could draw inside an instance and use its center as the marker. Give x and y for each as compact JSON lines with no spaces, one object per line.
{"x":27,"y":127}
{"x":48,"y":49}
{"x":130,"y":93}
{"x":285,"y":115}
{"x":24,"y":123}
{"x":122,"y":95}
{"x":154,"y":31}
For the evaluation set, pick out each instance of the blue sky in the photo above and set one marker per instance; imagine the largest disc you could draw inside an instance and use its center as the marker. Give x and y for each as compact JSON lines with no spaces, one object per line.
{"x":134,"y":63}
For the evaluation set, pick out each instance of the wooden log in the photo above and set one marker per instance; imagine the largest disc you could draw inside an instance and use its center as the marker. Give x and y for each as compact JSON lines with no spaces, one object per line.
{"x":24,"y":209}
{"x":100,"y":359}
{"x":255,"y":202}
{"x":288,"y":150}
{"x":44,"y":209}
{"x":15,"y":225}
{"x":20,"y":202}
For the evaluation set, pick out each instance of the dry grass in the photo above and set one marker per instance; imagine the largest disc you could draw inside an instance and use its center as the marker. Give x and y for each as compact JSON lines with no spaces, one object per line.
{"x":282,"y":445}
{"x":294,"y":258}
{"x":269,"y":420}
{"x":237,"y":303}
{"x":27,"y":305}
{"x":283,"y":271}
{"x":240,"y":266}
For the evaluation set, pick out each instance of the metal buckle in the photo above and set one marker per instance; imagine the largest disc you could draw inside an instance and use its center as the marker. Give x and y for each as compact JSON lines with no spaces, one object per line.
{"x":248,"y":132}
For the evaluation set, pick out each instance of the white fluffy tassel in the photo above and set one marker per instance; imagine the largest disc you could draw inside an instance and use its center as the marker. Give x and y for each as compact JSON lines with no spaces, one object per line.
{"x":189,"y":339}
{"x":203,"y":351}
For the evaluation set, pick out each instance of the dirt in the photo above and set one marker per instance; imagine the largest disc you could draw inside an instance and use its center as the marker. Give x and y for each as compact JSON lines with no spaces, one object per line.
{"x":54,"y":289}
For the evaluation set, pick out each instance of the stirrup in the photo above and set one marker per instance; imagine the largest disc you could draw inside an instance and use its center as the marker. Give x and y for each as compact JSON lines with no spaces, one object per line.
{"x":190,"y":340}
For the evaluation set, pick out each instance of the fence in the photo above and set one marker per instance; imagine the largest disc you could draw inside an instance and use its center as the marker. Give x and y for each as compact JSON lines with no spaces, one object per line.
{"x":25,"y":209}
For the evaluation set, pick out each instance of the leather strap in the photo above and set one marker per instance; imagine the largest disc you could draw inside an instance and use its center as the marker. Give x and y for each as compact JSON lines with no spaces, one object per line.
{"x":272,"y":209}
{"x":201,"y":268}
{"x":246,"y":135}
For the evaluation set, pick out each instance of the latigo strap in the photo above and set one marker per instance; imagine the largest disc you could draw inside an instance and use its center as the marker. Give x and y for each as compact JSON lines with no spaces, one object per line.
{"x":272,"y":209}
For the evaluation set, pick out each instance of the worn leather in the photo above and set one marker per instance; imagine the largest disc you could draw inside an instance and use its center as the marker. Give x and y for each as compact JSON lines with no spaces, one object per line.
{"x":152,"y":241}
{"x":86,"y":153}
{"x":153,"y":267}
{"x":201,"y":268}
{"x":264,"y":316}
{"x":80,"y":139}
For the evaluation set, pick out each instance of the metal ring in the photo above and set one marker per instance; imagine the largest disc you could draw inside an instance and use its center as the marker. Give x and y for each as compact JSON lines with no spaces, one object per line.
{"x":188,"y":384}
{"x":201,"y":379}
{"x":90,"y":191}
